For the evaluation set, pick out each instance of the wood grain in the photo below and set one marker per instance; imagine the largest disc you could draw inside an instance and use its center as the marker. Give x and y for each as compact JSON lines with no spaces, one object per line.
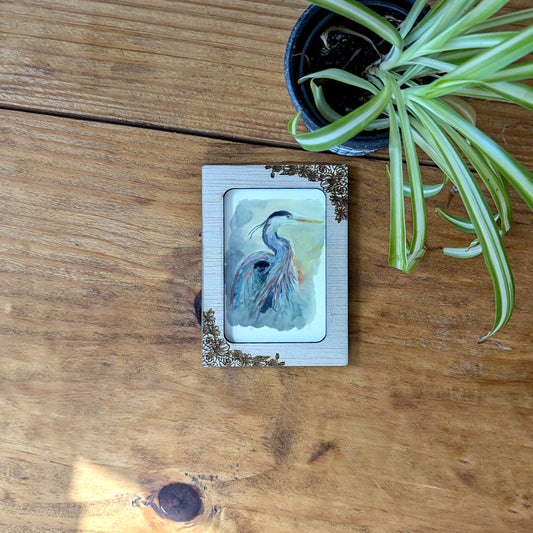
{"x":213,"y":68}
{"x":103,"y":398}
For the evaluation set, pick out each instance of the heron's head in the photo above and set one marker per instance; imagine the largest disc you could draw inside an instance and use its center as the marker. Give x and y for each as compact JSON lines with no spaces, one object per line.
{"x":283,"y":218}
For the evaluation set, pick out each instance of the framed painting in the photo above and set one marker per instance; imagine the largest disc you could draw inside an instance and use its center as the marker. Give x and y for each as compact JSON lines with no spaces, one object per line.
{"x":274,"y":265}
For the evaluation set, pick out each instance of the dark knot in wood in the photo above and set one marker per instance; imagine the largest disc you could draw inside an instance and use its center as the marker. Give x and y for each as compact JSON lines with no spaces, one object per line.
{"x":179,"y":502}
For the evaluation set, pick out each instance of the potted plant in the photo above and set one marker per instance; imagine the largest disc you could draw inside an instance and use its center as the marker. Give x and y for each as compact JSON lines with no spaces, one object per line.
{"x":425,"y":65}
{"x":322,"y":39}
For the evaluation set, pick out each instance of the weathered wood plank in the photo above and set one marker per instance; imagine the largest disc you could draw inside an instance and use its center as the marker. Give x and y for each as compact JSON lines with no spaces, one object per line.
{"x":103,"y":398}
{"x":208,"y":67}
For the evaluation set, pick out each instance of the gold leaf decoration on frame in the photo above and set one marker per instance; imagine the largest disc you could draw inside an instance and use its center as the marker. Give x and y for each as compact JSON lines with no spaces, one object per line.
{"x":332,"y":178}
{"x":216,"y":350}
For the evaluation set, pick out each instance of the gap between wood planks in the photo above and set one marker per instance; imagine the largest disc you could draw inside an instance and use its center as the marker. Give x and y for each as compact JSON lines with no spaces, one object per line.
{"x":170,"y":129}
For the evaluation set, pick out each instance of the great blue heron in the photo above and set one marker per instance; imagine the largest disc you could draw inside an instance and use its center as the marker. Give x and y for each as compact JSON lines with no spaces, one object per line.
{"x":267,"y":279}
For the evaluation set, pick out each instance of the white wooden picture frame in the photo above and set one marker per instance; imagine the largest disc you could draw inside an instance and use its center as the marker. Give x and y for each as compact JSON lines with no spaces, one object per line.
{"x":274,"y":265}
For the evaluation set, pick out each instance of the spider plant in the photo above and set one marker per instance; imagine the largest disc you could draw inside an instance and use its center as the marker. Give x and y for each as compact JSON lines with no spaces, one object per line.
{"x":456,"y":50}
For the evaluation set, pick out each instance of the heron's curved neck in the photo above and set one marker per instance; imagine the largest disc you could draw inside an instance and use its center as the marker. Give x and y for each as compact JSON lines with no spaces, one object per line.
{"x":276,"y":243}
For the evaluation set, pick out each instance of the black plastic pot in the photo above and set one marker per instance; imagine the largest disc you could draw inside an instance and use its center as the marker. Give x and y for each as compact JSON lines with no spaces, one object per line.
{"x":302,"y":42}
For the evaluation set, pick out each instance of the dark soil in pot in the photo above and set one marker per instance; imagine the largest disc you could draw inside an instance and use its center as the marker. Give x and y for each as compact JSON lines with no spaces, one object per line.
{"x":306,"y":53}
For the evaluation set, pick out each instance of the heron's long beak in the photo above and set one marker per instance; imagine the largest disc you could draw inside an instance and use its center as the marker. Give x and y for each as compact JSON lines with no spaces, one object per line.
{"x":308,"y":221}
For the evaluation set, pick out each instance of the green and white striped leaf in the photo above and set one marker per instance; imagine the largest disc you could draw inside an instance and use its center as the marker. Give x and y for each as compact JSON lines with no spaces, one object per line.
{"x":342,"y":129}
{"x":523,"y":15}
{"x":463,"y":224}
{"x":498,"y":187}
{"x":464,"y":253}
{"x":479,"y":213}
{"x":416,"y":249}
{"x":412,"y":16}
{"x":516,"y":93}
{"x":515,"y":72}
{"x":322,"y":106}
{"x":477,"y":40}
{"x":427,"y":190}
{"x":440,"y":17}
{"x":517,"y":175}
{"x":455,"y":19}
{"x":397,"y":232}
{"x":363,"y":15}
{"x":470,"y":17}
{"x":338,"y":74}
{"x":462,"y":107}
{"x":489,"y":61}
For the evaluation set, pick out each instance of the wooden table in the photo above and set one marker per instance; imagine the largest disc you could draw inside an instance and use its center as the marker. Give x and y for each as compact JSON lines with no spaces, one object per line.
{"x":108,"y":110}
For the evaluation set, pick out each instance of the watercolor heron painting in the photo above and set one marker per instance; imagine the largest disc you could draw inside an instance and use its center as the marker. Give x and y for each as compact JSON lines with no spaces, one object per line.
{"x":275,"y":264}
